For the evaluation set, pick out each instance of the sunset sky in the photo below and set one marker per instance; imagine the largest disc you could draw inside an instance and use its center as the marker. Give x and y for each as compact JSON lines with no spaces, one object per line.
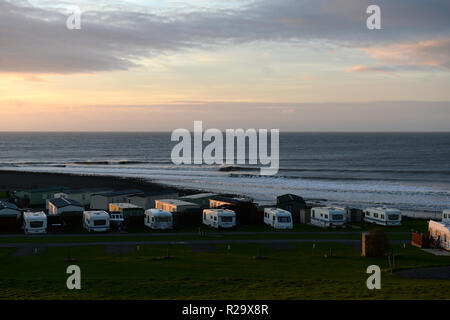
{"x":157,"y":65}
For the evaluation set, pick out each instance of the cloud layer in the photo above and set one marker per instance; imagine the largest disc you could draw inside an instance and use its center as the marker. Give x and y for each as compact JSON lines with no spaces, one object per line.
{"x":35,"y":39}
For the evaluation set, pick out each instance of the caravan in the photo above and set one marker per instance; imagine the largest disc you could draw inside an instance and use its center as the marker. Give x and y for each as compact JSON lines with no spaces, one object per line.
{"x":278,"y":218}
{"x":97,"y":221}
{"x":34,"y":222}
{"x":158,"y":219}
{"x":383,"y":216}
{"x":219,"y":218}
{"x":326,"y":217}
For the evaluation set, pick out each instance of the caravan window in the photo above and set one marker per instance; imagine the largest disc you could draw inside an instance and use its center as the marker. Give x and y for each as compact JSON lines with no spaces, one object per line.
{"x":382,"y":216}
{"x":284,"y":219}
{"x":99,"y":222}
{"x":215,"y":218}
{"x":36,"y":224}
{"x":338,"y":217}
{"x":226,"y":219}
{"x":375,"y":214}
{"x":163,"y":219}
{"x":393,"y":217}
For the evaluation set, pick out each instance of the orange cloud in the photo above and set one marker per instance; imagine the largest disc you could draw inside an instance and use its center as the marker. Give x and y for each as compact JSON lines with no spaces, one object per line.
{"x":429,"y":53}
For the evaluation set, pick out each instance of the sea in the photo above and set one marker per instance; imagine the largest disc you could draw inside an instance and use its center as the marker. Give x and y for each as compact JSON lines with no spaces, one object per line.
{"x":408,"y":171}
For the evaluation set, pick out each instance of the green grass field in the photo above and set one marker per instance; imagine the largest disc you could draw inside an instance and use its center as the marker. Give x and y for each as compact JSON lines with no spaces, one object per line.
{"x":297,"y":273}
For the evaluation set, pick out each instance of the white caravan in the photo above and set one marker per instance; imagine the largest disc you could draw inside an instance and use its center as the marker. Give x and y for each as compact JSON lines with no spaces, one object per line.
{"x":219,"y":218}
{"x":383,"y":216}
{"x":278,"y":218}
{"x":326,"y":217}
{"x":34,"y":222}
{"x":97,"y":221}
{"x":158,"y":219}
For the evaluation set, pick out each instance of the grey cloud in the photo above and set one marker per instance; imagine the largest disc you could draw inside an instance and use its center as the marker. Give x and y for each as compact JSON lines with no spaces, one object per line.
{"x":36,"y":40}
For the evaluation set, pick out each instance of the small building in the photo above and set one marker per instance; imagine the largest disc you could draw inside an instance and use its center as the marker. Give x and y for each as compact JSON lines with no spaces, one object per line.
{"x":133,"y":215}
{"x":246,"y":211}
{"x":354,"y":215}
{"x":8,"y":209}
{"x":175,"y":205}
{"x":183,"y":212}
{"x":328,"y":217}
{"x":82,"y":196}
{"x":58,"y":206}
{"x":96,"y":221}
{"x":440,"y":231}
{"x":70,"y":211}
{"x":36,"y":197}
{"x":305,"y":216}
{"x":278,"y":218}
{"x":202,"y":199}
{"x":9,"y":216}
{"x":383,"y":216}
{"x":294,"y":204}
{"x":128,"y":210}
{"x":219,"y":218}
{"x":158,"y":219}
{"x":101,"y":201}
{"x":34,"y":222}
{"x":146,"y":200}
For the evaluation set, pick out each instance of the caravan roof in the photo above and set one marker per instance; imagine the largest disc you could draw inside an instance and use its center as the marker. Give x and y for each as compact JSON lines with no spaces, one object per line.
{"x":34,"y":215}
{"x":221,"y":212}
{"x":64,"y":202}
{"x":279,"y":212}
{"x":384,"y":209}
{"x":158,"y":212}
{"x":8,"y":205}
{"x":96,"y":213}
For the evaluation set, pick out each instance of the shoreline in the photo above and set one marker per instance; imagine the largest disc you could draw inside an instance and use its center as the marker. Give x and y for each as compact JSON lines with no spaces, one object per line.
{"x":19,"y":180}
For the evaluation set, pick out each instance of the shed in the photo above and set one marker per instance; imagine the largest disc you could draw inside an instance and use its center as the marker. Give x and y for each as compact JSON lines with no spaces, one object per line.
{"x":245,"y":209}
{"x":183,"y":212}
{"x":354,"y":215}
{"x":58,"y":206}
{"x":294,"y":204}
{"x":71,"y":213}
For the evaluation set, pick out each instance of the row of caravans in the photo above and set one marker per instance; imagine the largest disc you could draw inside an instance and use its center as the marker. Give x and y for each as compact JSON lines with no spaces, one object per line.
{"x":100,"y":221}
{"x":334,"y":217}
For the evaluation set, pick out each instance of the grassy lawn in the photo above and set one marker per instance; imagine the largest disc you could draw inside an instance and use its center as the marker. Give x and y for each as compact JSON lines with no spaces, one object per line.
{"x":285,"y":274}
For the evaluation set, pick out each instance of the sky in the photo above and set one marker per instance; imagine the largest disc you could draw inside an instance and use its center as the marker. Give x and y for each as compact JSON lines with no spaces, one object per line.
{"x":158,"y":65}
